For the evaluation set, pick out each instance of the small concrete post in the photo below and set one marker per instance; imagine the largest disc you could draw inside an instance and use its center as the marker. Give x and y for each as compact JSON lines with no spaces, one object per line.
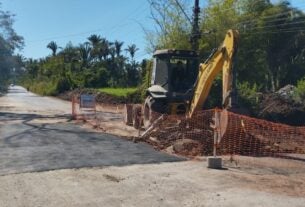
{"x":215,"y":162}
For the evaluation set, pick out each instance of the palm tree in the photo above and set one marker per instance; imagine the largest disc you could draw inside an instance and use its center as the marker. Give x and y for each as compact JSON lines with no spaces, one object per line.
{"x":118,"y":47}
{"x":53,"y":46}
{"x":95,"y":40}
{"x":112,"y":52}
{"x":104,"y":49}
{"x":132,"y":49}
{"x":69,"y":53}
{"x":84,"y":50}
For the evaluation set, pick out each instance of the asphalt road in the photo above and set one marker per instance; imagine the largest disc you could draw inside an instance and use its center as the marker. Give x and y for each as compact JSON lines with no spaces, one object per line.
{"x":35,"y":135}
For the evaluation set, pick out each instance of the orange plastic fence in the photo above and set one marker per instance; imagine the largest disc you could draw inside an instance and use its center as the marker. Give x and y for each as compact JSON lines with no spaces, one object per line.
{"x":237,"y":134}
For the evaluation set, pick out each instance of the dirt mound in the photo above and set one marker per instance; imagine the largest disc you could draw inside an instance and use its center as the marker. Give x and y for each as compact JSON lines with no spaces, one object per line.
{"x":282,"y":107}
{"x":187,"y":147}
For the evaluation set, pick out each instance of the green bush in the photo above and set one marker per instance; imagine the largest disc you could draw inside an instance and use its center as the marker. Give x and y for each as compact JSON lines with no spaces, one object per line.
{"x":146,"y":80}
{"x":42,"y":88}
{"x":300,"y":90}
{"x":248,"y":95}
{"x":96,"y":78}
{"x":63,"y":84}
{"x":50,"y":87}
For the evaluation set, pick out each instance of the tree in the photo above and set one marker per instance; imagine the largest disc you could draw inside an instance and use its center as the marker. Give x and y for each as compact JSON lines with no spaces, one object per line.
{"x":172,"y":28}
{"x":85,"y":50}
{"x":104,"y":49}
{"x":95,"y":40}
{"x":118,"y":47}
{"x":272,"y":42}
{"x":132,"y":49}
{"x":53,"y":47}
{"x":9,"y":42}
{"x":70,"y":53}
{"x":132,"y":72}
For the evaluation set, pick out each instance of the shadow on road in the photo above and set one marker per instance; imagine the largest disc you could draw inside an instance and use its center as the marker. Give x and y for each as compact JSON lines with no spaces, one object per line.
{"x":26,"y":117}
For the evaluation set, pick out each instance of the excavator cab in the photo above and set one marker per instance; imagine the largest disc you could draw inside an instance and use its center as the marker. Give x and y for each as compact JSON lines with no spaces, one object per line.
{"x":175,"y":71}
{"x":172,"y":82}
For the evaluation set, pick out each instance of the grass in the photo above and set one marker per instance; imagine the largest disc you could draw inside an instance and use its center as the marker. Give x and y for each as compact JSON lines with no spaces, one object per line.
{"x":118,"y":92}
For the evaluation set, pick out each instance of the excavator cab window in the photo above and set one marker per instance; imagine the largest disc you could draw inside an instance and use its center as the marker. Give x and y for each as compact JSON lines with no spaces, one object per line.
{"x":175,"y":70}
{"x":160,"y":73}
{"x":183,"y":72}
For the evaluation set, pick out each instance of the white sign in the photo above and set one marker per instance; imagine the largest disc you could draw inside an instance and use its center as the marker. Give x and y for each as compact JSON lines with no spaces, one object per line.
{"x":87,"y":101}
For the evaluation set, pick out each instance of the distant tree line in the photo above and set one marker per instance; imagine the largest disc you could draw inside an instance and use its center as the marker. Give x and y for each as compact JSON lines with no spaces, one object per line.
{"x":95,"y":63}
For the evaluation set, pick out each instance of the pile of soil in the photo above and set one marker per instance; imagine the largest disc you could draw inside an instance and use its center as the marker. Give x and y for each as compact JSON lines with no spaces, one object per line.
{"x":282,"y":107}
{"x":101,"y":97}
{"x":188,"y":138}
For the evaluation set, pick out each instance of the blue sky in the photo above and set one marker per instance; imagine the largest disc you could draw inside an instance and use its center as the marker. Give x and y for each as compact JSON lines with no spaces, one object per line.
{"x":41,"y":21}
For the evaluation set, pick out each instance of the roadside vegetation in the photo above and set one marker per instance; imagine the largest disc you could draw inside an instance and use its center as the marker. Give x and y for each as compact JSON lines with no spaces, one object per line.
{"x":10,"y":42}
{"x":96,"y":63}
{"x":300,"y":91}
{"x":118,"y":92}
{"x":271,"y":52}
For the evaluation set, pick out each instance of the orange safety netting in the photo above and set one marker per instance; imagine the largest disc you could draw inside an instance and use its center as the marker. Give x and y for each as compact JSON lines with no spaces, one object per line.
{"x":237,"y":135}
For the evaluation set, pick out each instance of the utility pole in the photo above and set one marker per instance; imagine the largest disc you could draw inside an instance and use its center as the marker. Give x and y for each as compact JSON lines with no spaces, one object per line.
{"x":195,"y":36}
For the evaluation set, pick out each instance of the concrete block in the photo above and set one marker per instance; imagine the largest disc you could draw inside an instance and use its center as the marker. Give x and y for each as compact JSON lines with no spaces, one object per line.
{"x":214,"y":162}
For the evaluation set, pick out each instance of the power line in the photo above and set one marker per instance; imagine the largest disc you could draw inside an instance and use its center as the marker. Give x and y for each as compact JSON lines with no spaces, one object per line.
{"x":276,"y":32}
{"x":274,"y":16}
{"x":279,"y":19}
{"x":140,"y":55}
{"x":181,"y":8}
{"x":123,"y":24}
{"x":277,"y":25}
{"x":269,"y":18}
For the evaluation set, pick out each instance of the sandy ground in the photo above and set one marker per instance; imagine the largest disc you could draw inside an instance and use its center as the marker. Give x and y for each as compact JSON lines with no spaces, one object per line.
{"x":172,"y":184}
{"x":109,"y":119}
{"x":246,"y":182}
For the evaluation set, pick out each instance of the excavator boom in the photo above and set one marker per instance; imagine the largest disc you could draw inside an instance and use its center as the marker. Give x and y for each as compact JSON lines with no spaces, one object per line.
{"x":221,"y":59}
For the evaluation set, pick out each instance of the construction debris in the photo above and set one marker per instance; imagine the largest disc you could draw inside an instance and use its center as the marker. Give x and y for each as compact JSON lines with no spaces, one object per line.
{"x":282,"y":107}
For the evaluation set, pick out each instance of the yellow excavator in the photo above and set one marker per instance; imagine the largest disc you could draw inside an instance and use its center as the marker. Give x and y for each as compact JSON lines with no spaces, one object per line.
{"x":221,"y":59}
{"x":179,"y":86}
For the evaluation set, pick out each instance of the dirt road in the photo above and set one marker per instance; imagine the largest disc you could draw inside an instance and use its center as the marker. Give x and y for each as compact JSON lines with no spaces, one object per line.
{"x":45,"y":160}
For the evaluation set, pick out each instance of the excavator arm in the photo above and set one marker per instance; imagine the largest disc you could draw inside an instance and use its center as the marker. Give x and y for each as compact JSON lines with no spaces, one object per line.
{"x":220,"y":59}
